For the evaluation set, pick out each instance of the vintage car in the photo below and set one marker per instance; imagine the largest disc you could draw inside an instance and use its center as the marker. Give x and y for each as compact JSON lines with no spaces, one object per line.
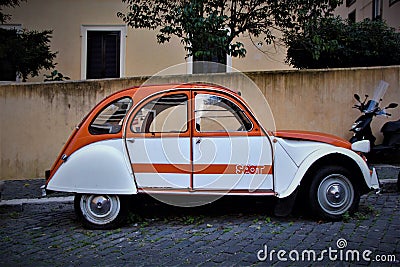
{"x":201,"y":140}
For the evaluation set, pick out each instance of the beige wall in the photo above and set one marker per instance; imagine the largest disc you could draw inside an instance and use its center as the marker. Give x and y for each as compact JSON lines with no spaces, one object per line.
{"x":65,"y":17}
{"x":37,"y":118}
{"x":363,"y":10}
{"x":391,"y":14}
{"x":144,"y":56}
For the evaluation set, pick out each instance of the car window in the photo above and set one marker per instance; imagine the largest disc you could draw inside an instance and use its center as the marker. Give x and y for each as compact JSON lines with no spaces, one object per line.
{"x":162,"y":115}
{"x":217,"y":114}
{"x":109,"y":120}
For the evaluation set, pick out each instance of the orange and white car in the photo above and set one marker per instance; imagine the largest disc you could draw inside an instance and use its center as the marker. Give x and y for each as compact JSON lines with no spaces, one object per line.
{"x":192,"y":140}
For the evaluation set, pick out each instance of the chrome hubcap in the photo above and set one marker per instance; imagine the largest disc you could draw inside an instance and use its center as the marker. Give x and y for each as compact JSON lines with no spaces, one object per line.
{"x":100,"y":209}
{"x":100,"y":205}
{"x":335,"y":194}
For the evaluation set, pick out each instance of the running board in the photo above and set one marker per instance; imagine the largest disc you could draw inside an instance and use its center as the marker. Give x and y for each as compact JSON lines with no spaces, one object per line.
{"x":238,"y":192}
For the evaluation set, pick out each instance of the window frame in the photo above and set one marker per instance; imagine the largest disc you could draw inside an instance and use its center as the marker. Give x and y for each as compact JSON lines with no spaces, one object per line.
{"x":189,"y":62}
{"x":352,"y":16}
{"x":377,"y":6}
{"x":122,"y":49}
{"x":156,"y":97}
{"x":103,"y":109}
{"x":350,"y":2}
{"x":237,"y":117}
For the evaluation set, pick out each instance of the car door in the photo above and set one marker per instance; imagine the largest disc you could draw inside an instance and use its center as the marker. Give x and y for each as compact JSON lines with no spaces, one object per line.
{"x":158,"y":142}
{"x":230,"y":150}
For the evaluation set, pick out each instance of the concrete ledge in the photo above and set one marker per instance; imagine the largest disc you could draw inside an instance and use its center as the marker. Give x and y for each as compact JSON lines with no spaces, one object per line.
{"x":22,"y":201}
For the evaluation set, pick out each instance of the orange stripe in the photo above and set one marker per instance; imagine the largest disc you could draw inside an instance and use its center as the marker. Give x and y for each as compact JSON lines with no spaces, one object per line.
{"x":202,"y":168}
{"x":161,"y":168}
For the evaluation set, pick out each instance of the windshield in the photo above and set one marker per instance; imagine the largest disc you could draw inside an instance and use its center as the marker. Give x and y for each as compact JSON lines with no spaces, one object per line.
{"x":379,"y":92}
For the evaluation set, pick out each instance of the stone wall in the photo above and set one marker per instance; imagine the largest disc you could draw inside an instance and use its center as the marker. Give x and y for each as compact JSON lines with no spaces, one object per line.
{"x":37,"y":118}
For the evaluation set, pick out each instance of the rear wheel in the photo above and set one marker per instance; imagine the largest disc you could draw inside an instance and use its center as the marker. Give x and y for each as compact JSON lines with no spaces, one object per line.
{"x":100,"y":211}
{"x":332,"y":193}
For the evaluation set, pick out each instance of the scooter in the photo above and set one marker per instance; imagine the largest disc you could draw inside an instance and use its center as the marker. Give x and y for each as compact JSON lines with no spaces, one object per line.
{"x":389,"y":150}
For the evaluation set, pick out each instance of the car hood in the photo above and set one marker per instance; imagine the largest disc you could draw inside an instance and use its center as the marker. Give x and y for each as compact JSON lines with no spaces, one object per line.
{"x":314,"y":136}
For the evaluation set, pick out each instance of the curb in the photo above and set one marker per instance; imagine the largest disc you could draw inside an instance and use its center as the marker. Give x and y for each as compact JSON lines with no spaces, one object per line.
{"x":22,"y":201}
{"x":17,"y":205}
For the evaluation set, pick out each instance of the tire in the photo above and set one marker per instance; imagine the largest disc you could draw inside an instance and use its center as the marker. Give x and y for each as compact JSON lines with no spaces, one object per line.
{"x":333,"y":193}
{"x":100,"y":211}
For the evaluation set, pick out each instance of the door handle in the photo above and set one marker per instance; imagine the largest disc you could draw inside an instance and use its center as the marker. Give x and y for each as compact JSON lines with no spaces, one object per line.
{"x":131,"y":140}
{"x":198,"y":141}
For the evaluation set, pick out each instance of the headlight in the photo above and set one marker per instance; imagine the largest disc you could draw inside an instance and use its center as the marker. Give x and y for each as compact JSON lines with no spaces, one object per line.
{"x":354,"y":126}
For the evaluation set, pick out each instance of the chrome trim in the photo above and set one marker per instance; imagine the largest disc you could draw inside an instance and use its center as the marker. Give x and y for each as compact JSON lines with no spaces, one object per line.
{"x":43,"y":189}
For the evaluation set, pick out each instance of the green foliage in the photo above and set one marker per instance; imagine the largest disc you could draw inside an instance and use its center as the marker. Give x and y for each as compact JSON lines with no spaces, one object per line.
{"x":207,"y":28}
{"x":55,"y":76}
{"x":333,"y":42}
{"x":26,"y":52}
{"x":7,"y":3}
{"x":23,"y":52}
{"x":346,"y":217}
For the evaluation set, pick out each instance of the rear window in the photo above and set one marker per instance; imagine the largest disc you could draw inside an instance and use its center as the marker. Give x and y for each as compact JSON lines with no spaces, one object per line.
{"x":110,"y":119}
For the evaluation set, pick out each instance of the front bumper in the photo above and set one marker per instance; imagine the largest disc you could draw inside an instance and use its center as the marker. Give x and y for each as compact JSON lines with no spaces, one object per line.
{"x":43,"y":190}
{"x":43,"y":187}
{"x":374,"y":182}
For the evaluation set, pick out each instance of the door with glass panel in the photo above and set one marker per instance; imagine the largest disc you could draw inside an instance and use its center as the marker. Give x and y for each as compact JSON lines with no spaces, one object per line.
{"x":158,"y":142}
{"x":230,"y":152}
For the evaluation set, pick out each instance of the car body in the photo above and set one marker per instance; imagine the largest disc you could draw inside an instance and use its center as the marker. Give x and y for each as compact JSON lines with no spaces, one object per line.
{"x":200,"y":139}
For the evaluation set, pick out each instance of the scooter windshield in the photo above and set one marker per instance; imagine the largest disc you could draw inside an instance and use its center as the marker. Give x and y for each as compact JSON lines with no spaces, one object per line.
{"x":379,"y":92}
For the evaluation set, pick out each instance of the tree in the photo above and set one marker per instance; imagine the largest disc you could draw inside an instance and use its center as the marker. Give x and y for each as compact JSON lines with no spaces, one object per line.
{"x":23,"y":52}
{"x":208,"y":28}
{"x":7,"y":3}
{"x":333,"y":42}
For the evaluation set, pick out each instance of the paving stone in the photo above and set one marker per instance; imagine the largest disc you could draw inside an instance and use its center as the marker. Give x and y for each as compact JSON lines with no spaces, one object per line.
{"x":51,"y":232}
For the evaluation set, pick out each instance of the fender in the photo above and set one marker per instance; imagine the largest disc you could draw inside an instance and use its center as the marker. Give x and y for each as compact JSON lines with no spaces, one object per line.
{"x":370,"y":179}
{"x":98,"y":168}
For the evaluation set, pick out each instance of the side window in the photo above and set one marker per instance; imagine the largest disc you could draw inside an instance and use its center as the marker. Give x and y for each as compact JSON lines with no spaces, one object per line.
{"x":109,"y":120}
{"x":217,"y":114}
{"x":162,"y":115}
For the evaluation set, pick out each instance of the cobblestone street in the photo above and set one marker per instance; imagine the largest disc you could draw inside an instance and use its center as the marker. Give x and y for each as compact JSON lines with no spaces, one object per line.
{"x":231,"y":231}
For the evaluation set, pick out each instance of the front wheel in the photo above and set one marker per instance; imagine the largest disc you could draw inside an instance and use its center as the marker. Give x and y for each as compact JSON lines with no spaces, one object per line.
{"x":100,"y":211}
{"x":332,"y":193}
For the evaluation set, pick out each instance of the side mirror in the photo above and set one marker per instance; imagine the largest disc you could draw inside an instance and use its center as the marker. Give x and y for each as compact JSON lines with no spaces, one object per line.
{"x":357,"y":97}
{"x":392,"y":105}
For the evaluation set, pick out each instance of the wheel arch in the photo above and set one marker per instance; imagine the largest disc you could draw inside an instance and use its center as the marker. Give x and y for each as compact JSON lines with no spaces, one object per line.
{"x":336,"y":159}
{"x":340,"y":157}
{"x":98,"y":168}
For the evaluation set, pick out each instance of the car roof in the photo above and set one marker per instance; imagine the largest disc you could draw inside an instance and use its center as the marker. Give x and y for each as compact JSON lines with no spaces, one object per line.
{"x":154,"y":88}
